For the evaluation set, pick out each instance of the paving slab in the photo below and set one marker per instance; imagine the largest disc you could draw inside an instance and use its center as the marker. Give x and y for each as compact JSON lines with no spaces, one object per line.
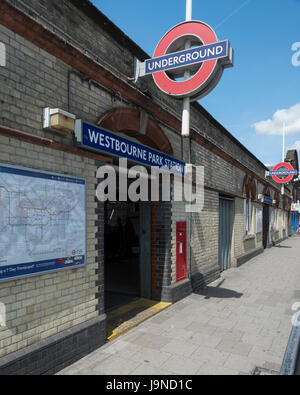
{"x":205,"y":355}
{"x":180,"y":348}
{"x":181,"y":365}
{"x":151,"y":357}
{"x":210,"y":369}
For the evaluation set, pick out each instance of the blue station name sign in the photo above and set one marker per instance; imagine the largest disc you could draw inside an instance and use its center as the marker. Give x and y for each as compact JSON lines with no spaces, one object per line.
{"x":267,"y":200}
{"x":188,"y":57}
{"x":282,"y":173}
{"x":100,"y":140}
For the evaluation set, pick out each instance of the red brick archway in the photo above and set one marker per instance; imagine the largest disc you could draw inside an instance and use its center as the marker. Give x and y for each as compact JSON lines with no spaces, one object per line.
{"x":266,"y":191}
{"x":137,"y":124}
{"x":249,"y":188}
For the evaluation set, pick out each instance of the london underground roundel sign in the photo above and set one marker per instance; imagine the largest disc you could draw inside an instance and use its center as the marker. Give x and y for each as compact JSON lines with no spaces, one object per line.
{"x":205,"y":59}
{"x":286,"y":170}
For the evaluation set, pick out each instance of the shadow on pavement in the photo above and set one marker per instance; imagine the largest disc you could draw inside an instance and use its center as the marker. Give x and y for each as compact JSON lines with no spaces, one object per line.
{"x":279,"y":246}
{"x":218,"y":292}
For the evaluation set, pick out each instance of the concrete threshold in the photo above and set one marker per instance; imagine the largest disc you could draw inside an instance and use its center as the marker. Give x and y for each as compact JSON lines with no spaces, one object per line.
{"x":127,"y":317}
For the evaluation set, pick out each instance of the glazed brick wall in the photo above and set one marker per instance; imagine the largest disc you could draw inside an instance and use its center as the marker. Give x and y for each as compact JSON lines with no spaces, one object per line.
{"x":64,"y":15}
{"x":205,"y":238}
{"x":100,"y":252}
{"x":34,"y":79}
{"x":218,"y":173}
{"x":42,"y":306}
{"x":161,"y":248}
{"x":55,"y":353}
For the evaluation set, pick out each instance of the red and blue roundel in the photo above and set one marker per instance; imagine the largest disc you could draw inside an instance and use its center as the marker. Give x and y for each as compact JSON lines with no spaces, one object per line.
{"x":289,"y":173}
{"x":213,"y":55}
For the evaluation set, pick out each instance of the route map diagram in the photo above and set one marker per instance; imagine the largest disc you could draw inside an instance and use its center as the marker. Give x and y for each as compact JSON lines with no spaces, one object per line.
{"x":42,"y":222}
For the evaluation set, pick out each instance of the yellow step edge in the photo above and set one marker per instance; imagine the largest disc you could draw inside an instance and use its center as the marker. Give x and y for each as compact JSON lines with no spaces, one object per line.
{"x":152,"y":308}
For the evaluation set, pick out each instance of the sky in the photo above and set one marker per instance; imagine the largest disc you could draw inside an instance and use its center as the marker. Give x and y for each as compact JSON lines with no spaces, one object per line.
{"x":262,"y":92}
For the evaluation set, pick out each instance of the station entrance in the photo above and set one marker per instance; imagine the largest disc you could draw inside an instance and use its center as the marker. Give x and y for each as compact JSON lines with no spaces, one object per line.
{"x":127,"y":253}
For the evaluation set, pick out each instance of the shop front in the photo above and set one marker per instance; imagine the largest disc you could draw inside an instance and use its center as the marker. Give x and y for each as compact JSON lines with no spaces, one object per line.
{"x":294,"y":223}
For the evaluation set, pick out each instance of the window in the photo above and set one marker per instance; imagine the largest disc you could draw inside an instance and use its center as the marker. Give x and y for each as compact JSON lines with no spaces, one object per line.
{"x":258,"y":220}
{"x":248,"y":212}
{"x":249,"y":193}
{"x":249,"y":215}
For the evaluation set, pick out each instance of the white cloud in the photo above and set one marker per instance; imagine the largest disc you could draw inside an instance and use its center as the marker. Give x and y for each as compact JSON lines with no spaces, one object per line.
{"x":296,"y":145}
{"x":274,"y":126}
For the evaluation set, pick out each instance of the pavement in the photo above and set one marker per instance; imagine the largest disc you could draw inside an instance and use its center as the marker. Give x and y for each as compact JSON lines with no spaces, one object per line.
{"x":237,"y":324}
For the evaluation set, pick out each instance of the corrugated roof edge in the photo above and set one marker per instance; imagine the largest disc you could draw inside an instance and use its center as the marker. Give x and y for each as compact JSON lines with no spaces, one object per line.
{"x":97,"y":16}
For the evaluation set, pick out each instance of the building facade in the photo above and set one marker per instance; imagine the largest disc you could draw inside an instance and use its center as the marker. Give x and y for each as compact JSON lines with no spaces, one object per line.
{"x":68,"y":55}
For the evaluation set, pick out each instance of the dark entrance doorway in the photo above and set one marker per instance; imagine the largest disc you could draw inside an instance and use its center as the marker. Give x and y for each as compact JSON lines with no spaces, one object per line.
{"x":225,"y":233}
{"x":266,"y":224}
{"x":127,"y":253}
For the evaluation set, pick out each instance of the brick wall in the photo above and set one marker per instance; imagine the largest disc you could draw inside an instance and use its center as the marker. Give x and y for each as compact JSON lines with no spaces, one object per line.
{"x":42,"y":306}
{"x":243,"y":244}
{"x":160,"y":248}
{"x":205,"y":237}
{"x":34,"y":79}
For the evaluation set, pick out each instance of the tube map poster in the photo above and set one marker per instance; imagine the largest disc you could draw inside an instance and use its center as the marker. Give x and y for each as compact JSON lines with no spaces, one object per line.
{"x":42,"y":222}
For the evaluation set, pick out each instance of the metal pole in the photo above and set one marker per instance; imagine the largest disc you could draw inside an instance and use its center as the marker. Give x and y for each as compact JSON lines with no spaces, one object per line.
{"x":189,"y":10}
{"x":186,"y":102}
{"x":283,"y":152}
{"x":186,"y":117}
{"x":283,"y":143}
{"x":186,"y":132}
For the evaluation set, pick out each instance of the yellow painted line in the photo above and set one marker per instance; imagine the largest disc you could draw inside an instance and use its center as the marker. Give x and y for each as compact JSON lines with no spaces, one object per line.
{"x":127,"y":317}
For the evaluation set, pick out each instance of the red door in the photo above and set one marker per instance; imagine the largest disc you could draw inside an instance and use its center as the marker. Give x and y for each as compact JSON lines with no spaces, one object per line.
{"x":180,"y":251}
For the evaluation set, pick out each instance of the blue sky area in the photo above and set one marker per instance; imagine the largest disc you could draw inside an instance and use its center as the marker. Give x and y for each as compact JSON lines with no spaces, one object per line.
{"x":264,"y":80}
